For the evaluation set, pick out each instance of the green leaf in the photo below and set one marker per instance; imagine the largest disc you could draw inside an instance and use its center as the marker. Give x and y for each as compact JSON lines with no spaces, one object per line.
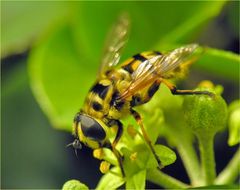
{"x":141,"y":158}
{"x":234,"y":123}
{"x":166,"y":155}
{"x":22,"y":22}
{"x":132,"y":165}
{"x":58,"y":77}
{"x":110,"y":181}
{"x":184,"y":31}
{"x":74,"y":185}
{"x":137,"y":181}
{"x":221,"y":63}
{"x":148,"y":20}
{"x":153,"y":121}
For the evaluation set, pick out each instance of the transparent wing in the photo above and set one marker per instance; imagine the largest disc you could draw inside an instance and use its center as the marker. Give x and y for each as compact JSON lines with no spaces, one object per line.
{"x":115,"y":42}
{"x":156,"y":67}
{"x":174,"y":58}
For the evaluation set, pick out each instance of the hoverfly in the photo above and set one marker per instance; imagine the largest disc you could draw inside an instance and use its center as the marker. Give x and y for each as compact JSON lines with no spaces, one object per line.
{"x":121,"y":87}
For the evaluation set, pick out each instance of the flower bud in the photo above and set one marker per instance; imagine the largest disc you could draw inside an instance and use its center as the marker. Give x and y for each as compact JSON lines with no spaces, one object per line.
{"x":74,"y":185}
{"x":205,"y":114}
{"x":104,"y":167}
{"x":98,"y":153}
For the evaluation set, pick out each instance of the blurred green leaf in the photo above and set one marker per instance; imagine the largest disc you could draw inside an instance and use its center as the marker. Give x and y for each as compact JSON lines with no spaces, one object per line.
{"x":137,"y":181}
{"x":60,"y":77}
{"x":234,"y":123}
{"x":63,"y":64}
{"x":74,"y":185}
{"x":184,"y":31}
{"x":150,"y":22}
{"x":220,"y":62}
{"x":110,"y":181}
{"x":153,"y":120}
{"x":23,"y":21}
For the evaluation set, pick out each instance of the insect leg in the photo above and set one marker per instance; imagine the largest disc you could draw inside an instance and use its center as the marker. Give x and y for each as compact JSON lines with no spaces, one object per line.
{"x":175,"y":91}
{"x":138,"y":118}
{"x":114,"y":144}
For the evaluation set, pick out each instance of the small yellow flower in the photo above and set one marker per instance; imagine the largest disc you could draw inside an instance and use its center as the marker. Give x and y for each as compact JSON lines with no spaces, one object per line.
{"x":98,"y":153}
{"x":104,"y":167}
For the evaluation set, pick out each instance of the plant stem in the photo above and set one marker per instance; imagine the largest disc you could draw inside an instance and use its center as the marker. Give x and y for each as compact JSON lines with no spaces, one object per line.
{"x":190,"y":161}
{"x":165,"y":180}
{"x":231,"y":171}
{"x":206,"y":143}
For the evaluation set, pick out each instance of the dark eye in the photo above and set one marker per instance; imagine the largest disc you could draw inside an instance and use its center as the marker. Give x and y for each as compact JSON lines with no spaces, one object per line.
{"x":91,"y":128}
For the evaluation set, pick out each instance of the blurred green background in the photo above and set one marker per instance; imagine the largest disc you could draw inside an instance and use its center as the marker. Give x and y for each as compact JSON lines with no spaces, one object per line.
{"x":49,"y":57}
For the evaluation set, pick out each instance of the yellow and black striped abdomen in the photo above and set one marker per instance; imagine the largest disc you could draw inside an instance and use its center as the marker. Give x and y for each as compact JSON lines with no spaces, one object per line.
{"x":131,"y":65}
{"x":134,"y":62}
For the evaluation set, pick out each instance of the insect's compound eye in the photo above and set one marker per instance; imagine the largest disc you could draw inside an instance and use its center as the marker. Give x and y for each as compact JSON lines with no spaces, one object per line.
{"x":76,"y":144}
{"x":91,"y":128}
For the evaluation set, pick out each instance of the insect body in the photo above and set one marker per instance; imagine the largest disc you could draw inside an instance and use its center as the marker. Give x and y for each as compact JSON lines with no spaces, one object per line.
{"x":119,"y":88}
